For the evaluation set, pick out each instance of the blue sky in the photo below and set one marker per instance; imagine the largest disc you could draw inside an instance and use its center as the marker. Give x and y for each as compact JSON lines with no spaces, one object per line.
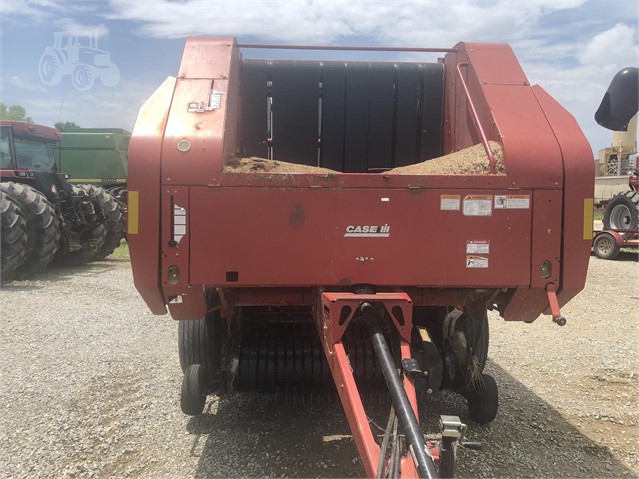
{"x":571,"y":48}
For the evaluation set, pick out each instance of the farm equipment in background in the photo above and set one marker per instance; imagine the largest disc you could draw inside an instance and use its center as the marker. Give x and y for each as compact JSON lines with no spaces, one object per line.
{"x":43,"y":215}
{"x":77,"y":54}
{"x":97,"y":156}
{"x":269,"y":213}
{"x":617,"y":112}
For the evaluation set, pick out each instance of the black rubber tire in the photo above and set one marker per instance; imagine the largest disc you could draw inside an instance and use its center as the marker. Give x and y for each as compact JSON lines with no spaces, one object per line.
{"x":201,"y":341}
{"x":13,"y":236}
{"x":114,"y":214}
{"x":92,"y":239}
{"x":622,"y":211}
{"x":477,"y":336}
{"x":43,"y":227}
{"x":483,"y":400}
{"x":605,"y":246}
{"x":193,"y":394}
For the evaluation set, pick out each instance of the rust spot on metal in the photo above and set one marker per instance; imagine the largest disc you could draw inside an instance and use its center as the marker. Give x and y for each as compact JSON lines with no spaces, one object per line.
{"x":296,"y":218}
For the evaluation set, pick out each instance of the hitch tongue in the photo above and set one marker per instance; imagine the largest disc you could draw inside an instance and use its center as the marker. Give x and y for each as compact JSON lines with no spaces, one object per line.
{"x":551,"y":290}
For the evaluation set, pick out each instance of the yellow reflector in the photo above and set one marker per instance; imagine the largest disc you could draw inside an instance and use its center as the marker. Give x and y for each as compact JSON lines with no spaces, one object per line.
{"x":588,"y":218}
{"x":133,"y":208}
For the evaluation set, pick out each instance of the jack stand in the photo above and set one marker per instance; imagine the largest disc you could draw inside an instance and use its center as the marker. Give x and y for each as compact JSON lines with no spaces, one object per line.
{"x":453,"y":430}
{"x":554,"y":305}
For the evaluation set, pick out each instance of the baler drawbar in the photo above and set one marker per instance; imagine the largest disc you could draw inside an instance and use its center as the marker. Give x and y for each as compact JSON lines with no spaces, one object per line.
{"x":322,"y":227}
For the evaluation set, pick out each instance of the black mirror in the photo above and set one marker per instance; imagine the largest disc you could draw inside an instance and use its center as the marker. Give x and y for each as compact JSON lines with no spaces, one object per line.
{"x":620,"y":103}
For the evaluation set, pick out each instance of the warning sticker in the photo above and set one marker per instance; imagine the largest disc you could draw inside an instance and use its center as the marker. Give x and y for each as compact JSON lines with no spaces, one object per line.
{"x":477,"y":247}
{"x":478,"y":205}
{"x":512,"y":202}
{"x":476,"y":262}
{"x":449,"y":202}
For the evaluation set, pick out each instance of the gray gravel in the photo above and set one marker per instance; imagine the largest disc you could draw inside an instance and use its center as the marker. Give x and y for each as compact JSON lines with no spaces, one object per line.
{"x":90,"y":388}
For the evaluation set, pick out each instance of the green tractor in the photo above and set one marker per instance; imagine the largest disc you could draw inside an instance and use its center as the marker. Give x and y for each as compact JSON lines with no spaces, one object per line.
{"x":43,"y":216}
{"x":97,"y":156}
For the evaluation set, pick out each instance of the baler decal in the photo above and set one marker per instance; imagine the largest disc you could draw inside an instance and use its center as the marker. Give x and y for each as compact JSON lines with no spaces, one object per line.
{"x":478,"y":205}
{"x":588,"y":218}
{"x":132,"y":211}
{"x":476,"y":262}
{"x":179,"y":223}
{"x":512,"y":202}
{"x":367,"y":231}
{"x":478,"y":247}
{"x":449,"y":202}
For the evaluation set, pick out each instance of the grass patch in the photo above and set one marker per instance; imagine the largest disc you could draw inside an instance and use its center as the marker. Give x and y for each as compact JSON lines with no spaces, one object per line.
{"x":598,"y":215}
{"x":121,"y":252}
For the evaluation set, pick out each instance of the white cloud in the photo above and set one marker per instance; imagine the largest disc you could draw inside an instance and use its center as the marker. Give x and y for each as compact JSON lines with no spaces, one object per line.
{"x":69,"y":25}
{"x":613,"y":47}
{"x":27,"y":85}
{"x":321,"y":21}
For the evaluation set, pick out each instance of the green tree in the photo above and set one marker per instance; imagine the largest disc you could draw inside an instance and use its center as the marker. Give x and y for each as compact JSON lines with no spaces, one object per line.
{"x":14,"y":112}
{"x":66,"y":125}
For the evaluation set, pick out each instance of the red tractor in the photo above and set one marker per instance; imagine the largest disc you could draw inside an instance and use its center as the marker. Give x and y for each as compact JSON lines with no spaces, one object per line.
{"x":43,"y":215}
{"x":312,"y":228}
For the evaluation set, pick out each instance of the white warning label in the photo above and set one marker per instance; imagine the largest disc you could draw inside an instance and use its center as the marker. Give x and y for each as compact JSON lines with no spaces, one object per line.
{"x":477,"y":247}
{"x":512,"y":202}
{"x":449,"y":202}
{"x":478,"y":205}
{"x":476,"y":262}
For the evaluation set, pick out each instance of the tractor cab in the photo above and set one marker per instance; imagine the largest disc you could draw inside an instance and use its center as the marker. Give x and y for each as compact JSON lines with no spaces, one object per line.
{"x":25,"y":146}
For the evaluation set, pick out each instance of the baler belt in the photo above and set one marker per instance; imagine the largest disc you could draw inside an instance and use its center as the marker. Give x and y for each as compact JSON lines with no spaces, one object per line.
{"x":356,"y":116}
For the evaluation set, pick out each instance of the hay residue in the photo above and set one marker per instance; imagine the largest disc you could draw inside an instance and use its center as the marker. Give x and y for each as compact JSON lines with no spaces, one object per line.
{"x":469,"y":161}
{"x":263,"y":165}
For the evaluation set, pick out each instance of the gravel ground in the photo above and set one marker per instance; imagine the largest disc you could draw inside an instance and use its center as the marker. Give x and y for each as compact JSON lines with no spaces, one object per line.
{"x":90,"y":388}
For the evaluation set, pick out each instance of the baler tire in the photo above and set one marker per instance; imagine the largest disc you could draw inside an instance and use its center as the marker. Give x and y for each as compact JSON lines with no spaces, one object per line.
{"x":622,"y":211}
{"x":483,"y":400}
{"x":43,"y":228}
{"x":13,"y":236}
{"x":200,"y":341}
{"x":605,"y":246}
{"x":193,"y":394}
{"x":114,"y":224}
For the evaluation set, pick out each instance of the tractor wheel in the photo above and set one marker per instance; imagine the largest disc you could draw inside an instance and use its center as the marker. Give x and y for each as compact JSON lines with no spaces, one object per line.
{"x":193,"y":395}
{"x":49,"y":69}
{"x":92,"y":237}
{"x":13,"y":236}
{"x":82,"y":77}
{"x":43,"y":227}
{"x":114,"y":215}
{"x":483,"y":400}
{"x":622,"y":212}
{"x":201,"y":341}
{"x":605,"y":246}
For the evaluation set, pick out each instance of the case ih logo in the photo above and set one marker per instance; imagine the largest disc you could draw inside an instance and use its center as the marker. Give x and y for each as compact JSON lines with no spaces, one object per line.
{"x":367,"y":231}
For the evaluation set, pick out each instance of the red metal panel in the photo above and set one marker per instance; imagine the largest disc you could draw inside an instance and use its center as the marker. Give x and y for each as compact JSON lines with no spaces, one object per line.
{"x":296,"y":237}
{"x":578,"y":190}
{"x":175,"y":235}
{"x":546,"y":236}
{"x":202,"y":113}
{"x":207,"y":57}
{"x":526,"y":304}
{"x":144,"y":178}
{"x":494,"y":63}
{"x":531,"y":152}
